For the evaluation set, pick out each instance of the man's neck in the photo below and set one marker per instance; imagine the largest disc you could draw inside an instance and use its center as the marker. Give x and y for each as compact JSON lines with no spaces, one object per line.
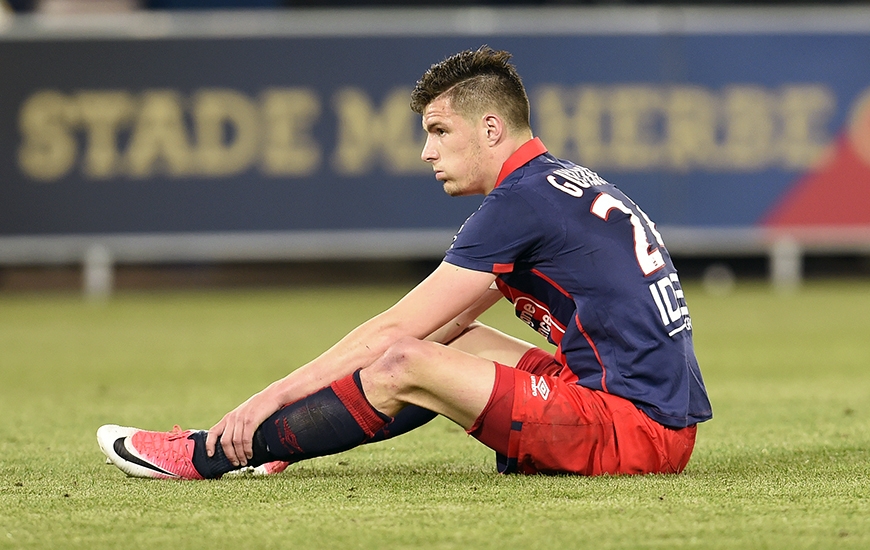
{"x":512,"y":157}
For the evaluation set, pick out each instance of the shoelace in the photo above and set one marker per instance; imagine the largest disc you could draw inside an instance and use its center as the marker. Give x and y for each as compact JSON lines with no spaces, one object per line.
{"x":176,"y":433}
{"x":164,"y":445}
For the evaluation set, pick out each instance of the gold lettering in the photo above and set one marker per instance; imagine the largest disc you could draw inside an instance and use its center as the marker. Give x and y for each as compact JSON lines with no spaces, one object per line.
{"x":688,"y":127}
{"x":49,"y":148}
{"x":288,"y":115}
{"x":805,"y":110}
{"x":364,"y":134}
{"x":635,"y":110}
{"x":159,"y":141}
{"x":691,"y":128}
{"x":102,"y":115}
{"x":227,"y":127}
{"x":630,"y":128}
{"x":553,"y":121}
{"x":591,"y":123}
{"x":749,"y":128}
{"x":580,"y":125}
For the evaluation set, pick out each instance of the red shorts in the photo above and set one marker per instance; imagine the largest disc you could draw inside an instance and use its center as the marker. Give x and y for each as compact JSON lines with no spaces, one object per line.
{"x":537,"y":423}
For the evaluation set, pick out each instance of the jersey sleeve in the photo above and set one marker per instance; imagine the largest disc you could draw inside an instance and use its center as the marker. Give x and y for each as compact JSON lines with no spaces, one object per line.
{"x":504,"y":230}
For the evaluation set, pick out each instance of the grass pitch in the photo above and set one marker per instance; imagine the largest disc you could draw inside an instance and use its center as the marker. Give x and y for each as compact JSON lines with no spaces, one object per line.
{"x":784,"y":464}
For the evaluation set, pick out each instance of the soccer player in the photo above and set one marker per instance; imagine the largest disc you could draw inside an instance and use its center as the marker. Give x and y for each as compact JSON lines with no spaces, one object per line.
{"x":582,"y":265}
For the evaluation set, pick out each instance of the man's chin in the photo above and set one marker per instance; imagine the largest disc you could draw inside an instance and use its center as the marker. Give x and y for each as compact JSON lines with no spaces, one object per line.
{"x":453,"y":190}
{"x":450,"y":189}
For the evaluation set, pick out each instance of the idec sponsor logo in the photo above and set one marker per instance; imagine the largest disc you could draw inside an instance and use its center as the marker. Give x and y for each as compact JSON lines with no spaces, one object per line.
{"x":539,"y":318}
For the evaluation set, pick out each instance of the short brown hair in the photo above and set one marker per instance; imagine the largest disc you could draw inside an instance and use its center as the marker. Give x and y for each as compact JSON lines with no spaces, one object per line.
{"x":476,"y":81}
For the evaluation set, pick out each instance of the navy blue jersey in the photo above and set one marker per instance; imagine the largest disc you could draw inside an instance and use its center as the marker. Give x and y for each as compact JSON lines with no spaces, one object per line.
{"x":585,"y":267}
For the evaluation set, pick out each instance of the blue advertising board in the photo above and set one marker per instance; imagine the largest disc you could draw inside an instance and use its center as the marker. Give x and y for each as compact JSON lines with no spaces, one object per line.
{"x":311,"y":131}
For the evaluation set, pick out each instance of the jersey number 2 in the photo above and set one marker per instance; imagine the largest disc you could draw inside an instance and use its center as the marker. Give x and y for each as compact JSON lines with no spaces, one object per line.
{"x":649,"y":261}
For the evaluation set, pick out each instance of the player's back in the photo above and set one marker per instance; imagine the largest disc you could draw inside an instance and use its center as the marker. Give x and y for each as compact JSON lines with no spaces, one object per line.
{"x":600,"y":269}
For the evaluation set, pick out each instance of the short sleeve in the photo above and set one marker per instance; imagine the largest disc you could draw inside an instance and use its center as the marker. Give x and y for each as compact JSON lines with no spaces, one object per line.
{"x":504,"y":230}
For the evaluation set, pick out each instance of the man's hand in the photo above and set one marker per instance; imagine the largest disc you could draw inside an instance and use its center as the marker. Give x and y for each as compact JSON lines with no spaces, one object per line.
{"x":236,"y":429}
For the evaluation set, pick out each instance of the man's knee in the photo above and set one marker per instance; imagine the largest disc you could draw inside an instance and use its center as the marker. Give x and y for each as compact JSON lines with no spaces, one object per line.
{"x":416,"y":372}
{"x":399,"y":363}
{"x":392,"y":381}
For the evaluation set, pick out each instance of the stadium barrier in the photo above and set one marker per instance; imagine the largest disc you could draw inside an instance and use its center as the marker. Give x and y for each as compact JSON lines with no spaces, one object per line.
{"x":249,"y":136}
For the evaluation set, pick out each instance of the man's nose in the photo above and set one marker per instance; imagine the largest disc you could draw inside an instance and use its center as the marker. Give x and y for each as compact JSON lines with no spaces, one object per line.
{"x":428,"y":154}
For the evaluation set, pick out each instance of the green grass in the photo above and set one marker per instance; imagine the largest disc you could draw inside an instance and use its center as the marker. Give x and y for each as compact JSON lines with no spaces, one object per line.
{"x":784,"y":464}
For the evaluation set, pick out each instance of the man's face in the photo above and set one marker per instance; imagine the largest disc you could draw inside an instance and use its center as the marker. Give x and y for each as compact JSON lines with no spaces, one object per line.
{"x":453,"y":148}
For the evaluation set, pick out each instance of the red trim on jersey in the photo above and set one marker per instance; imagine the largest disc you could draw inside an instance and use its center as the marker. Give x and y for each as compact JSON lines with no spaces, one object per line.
{"x":594,"y":349}
{"x":527,"y":151}
{"x":552,"y":282}
{"x":502,"y":268}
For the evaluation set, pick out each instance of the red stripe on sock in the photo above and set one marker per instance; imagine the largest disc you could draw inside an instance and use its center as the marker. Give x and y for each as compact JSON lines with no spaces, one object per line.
{"x":357,"y":405}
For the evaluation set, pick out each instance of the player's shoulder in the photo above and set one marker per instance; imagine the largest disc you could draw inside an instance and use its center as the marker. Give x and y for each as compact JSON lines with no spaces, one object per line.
{"x":552,"y":178}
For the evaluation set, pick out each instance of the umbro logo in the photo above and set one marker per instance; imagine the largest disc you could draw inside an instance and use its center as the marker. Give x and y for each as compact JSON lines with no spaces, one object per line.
{"x":540,"y":387}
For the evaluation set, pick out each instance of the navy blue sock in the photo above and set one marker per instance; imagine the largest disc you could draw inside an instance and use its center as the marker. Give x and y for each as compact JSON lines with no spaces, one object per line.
{"x":334,"y":419}
{"x":409,"y":418}
{"x":213,"y":467}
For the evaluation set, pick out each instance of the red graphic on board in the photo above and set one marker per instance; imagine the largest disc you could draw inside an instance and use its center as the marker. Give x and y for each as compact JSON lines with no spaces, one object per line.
{"x":837,"y":193}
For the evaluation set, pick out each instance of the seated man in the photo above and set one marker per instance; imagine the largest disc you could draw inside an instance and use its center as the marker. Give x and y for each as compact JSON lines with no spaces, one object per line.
{"x":582,"y":264}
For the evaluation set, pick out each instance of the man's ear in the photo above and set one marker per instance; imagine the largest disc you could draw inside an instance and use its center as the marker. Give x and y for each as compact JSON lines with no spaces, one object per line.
{"x":494,"y":127}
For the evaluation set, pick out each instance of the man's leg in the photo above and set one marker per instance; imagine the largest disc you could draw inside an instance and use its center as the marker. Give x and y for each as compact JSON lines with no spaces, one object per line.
{"x":478,"y":339}
{"x":566,"y":428}
{"x":455,"y":380}
{"x":333,"y":419}
{"x":446,"y":380}
{"x":489,"y":343}
{"x":449,"y":380}
{"x":352,"y":410}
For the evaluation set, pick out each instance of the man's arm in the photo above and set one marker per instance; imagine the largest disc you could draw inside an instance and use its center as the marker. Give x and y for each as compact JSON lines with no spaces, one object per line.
{"x":456,"y":326}
{"x":446,"y":295}
{"x":441,"y":298}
